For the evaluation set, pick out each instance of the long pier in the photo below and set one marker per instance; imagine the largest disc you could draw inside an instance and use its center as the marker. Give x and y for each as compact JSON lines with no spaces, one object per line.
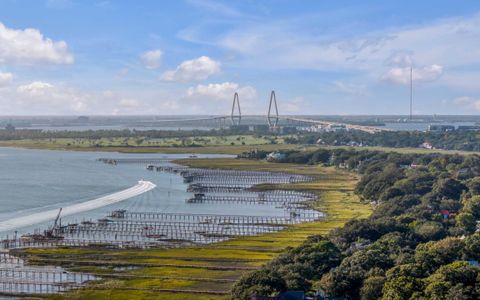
{"x":143,"y":160}
{"x":292,"y":217}
{"x":131,"y":229}
{"x":18,"y":279}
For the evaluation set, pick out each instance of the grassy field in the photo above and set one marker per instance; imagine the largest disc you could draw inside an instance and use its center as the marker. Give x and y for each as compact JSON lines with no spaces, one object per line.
{"x":206,"y":272}
{"x":234,"y":144}
{"x":115,"y":142}
{"x":224,"y":147}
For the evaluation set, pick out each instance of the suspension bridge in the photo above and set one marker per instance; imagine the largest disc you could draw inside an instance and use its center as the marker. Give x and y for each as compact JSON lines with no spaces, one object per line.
{"x":272,"y":118}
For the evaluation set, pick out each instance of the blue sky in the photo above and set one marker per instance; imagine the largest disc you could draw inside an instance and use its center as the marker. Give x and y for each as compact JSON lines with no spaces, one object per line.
{"x":189,"y":57}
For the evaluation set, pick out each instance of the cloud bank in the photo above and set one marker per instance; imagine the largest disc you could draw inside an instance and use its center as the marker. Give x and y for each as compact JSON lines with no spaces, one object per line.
{"x":196,"y":69}
{"x":29,"y":47}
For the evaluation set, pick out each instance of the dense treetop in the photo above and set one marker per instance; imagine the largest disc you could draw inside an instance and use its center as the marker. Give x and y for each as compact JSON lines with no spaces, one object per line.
{"x":419,"y":243}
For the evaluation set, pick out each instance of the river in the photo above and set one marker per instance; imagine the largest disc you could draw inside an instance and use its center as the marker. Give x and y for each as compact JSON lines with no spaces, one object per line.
{"x":33,"y":181}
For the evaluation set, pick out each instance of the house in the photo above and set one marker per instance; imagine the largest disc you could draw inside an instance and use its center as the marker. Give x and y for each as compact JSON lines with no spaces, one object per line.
{"x":336,"y":127}
{"x":275,"y":156}
{"x":441,"y":128}
{"x":320,"y":295}
{"x":474,"y":263}
{"x":426,"y":145}
{"x":288,"y":295}
{"x":445,"y":213}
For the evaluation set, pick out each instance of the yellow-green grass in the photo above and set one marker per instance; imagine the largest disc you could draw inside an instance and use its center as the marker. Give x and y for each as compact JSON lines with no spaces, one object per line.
{"x":233,"y":144}
{"x":225,"y":148}
{"x":202,"y":271}
{"x":140,"y":142}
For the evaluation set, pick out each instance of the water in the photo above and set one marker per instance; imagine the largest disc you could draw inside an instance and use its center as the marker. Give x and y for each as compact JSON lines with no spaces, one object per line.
{"x":39,"y":180}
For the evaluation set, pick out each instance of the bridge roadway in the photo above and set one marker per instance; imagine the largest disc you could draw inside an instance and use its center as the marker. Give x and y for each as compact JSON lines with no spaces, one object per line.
{"x":369,"y":129}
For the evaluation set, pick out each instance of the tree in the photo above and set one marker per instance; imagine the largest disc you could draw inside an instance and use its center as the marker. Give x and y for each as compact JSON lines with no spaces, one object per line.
{"x":432,"y":255}
{"x":472,"y":205}
{"x":372,"y":288}
{"x":449,"y":188}
{"x":466,"y":221}
{"x":457,"y":280}
{"x":347,"y":279}
{"x":471,"y":251}
{"x":429,"y":230}
{"x":264,"y":282}
{"x":402,"y":282}
{"x":474,"y":186}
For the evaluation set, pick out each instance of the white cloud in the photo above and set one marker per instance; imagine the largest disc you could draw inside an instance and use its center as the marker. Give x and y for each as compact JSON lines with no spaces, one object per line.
{"x":128,"y":103}
{"x":47,"y":98}
{"x":218,"y":97}
{"x":151,"y":59}
{"x":402,"y":75}
{"x":221,"y":91}
{"x":5,"y":79}
{"x":401,"y":59}
{"x":196,"y":69}
{"x":29,"y":46}
{"x":298,"y":43}
{"x":292,"y":106}
{"x":108,"y":94}
{"x":468,"y":103}
{"x":351,"y":88}
{"x":36,"y":88}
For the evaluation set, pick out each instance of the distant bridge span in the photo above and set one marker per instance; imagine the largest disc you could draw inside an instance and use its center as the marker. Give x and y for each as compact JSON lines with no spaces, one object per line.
{"x":369,"y":129}
{"x":272,"y":118}
{"x":223,"y":119}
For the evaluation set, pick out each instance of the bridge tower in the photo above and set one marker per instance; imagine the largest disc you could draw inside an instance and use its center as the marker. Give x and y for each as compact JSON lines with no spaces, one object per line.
{"x":236,"y":118}
{"x":272,"y":120}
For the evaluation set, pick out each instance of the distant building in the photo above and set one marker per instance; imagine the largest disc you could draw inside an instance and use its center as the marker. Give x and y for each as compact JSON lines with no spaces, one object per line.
{"x":239,"y":128}
{"x":275,"y":156}
{"x":83,"y":119}
{"x":468,"y":128}
{"x":258,"y":128}
{"x":336,"y":127}
{"x":445,"y":213}
{"x":473,"y":263}
{"x":283,"y":129}
{"x":441,"y":128}
{"x":10,"y":127}
{"x":288,"y":295}
{"x":426,"y":145}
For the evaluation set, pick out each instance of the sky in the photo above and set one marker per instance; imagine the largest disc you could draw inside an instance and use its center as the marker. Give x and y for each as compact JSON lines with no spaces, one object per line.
{"x":94,"y":57}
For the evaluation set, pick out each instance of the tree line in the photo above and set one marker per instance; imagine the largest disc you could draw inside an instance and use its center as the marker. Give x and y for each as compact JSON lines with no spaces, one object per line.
{"x":451,"y":140}
{"x":419,"y":243}
{"x":19,"y":134}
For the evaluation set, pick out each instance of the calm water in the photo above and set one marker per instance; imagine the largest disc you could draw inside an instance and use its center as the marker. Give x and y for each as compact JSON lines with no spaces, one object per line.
{"x":38,"y":180}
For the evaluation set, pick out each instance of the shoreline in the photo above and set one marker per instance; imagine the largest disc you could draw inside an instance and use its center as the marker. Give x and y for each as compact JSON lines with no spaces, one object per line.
{"x":182,"y":272}
{"x":217,"y":149}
